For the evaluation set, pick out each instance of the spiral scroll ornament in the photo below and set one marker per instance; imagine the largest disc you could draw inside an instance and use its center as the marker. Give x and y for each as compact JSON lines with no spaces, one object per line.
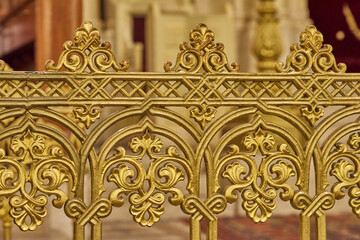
{"x":87,"y":53}
{"x":130,"y":176}
{"x":45,"y":173}
{"x":311,"y":54}
{"x":202,"y":55}
{"x":274,"y":171}
{"x":344,"y":165}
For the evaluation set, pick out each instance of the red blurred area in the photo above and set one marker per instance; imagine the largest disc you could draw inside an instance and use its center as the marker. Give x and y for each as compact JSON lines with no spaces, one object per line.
{"x":329,"y":17}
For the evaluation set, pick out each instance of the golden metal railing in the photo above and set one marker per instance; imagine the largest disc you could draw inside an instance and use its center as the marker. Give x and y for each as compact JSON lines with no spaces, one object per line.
{"x":241,"y":125}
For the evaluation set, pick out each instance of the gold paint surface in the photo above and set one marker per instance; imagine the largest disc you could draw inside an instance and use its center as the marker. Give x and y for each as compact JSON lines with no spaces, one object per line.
{"x":242,"y":126}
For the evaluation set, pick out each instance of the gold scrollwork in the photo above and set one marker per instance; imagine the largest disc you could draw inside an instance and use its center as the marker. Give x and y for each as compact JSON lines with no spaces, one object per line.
{"x":311,"y":54}
{"x":87,"y":52}
{"x":147,"y":204}
{"x":345,"y":167}
{"x":203,"y":114}
{"x":46,"y":173}
{"x":259,"y":202}
{"x":86,"y":115}
{"x":194,"y":206}
{"x":202,"y":54}
{"x":76,"y":208}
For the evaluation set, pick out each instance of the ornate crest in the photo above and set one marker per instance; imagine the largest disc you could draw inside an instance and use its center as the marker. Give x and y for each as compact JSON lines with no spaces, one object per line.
{"x":202,"y":55}
{"x":87,"y":52}
{"x":311,"y":54}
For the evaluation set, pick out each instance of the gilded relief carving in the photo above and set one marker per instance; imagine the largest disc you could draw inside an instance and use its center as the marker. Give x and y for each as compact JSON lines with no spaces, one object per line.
{"x":163,"y":156}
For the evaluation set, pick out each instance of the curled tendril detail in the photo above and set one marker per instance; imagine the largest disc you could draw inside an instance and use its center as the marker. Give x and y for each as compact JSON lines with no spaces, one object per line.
{"x":344,"y":165}
{"x":45,"y":173}
{"x":162,"y":176}
{"x":264,"y":180}
{"x":311,"y":54}
{"x":87,"y":53}
{"x":202,"y":54}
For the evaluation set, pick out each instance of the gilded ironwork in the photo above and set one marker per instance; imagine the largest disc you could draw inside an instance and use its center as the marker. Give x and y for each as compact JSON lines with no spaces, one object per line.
{"x":144,"y":201}
{"x":86,"y":115}
{"x":87,"y":53}
{"x":258,"y":202}
{"x":311,"y":54}
{"x":149,"y":153}
{"x":45,"y":172}
{"x":202,"y":55}
{"x":312,"y":113}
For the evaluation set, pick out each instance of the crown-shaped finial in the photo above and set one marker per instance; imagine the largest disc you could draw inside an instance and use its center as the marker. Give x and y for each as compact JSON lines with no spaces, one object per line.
{"x":86,"y":53}
{"x":311,"y":54}
{"x":202,"y":54}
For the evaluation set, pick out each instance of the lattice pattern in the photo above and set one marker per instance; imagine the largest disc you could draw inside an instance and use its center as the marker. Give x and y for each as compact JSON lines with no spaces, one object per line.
{"x":147,"y":136}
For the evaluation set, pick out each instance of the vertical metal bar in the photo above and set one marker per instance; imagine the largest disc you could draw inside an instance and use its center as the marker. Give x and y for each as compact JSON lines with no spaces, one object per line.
{"x":96,"y":231}
{"x":304,"y":227}
{"x":320,"y":186}
{"x":212,"y":230}
{"x":195,"y":228}
{"x":7,"y":229}
{"x":321,"y":227}
{"x":79,"y":232}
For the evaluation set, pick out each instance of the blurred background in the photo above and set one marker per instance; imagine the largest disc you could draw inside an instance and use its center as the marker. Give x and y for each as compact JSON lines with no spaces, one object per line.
{"x":147,"y":33}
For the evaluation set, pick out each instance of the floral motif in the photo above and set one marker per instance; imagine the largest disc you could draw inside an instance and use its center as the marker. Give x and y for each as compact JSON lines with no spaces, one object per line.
{"x":147,"y":203}
{"x":203,"y":115}
{"x":259,"y":142}
{"x":312,"y":113}
{"x":45,"y":172}
{"x":273,"y":173}
{"x":344,"y":165}
{"x":86,"y":115}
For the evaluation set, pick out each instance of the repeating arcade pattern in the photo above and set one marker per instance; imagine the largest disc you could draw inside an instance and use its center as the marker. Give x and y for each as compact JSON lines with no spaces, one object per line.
{"x":256,"y":134}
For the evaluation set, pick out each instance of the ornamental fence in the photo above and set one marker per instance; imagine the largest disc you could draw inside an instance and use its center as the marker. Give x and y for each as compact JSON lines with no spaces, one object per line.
{"x":144,"y":138}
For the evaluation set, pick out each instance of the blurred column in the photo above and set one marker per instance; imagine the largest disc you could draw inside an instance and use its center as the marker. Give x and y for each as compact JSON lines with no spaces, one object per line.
{"x":267,"y":43}
{"x":55,"y":23}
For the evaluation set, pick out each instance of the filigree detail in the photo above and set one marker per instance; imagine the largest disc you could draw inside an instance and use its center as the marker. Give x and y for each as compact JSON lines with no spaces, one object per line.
{"x":45,"y":173}
{"x":147,"y":203}
{"x":315,"y":206}
{"x":86,"y":53}
{"x":192,"y":205}
{"x":76,"y":208}
{"x":273,"y":173}
{"x":202,"y":55}
{"x":344,"y":164}
{"x":312,"y":113}
{"x":311,"y":54}
{"x":203,"y":114}
{"x":86,"y":115}
{"x":259,"y":142}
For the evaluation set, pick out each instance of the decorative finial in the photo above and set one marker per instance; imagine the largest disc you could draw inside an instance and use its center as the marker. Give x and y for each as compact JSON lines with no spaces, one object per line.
{"x":4,"y":67}
{"x":202,"y":55}
{"x":311,"y":54}
{"x":87,"y":53}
